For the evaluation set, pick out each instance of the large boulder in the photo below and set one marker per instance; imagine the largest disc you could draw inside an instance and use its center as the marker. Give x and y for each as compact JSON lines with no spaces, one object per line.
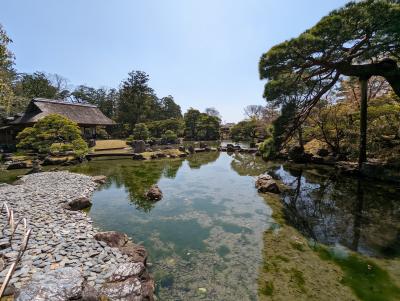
{"x":265,"y":183}
{"x":79,"y":203}
{"x":127,"y":270}
{"x":154,"y":193}
{"x":36,"y":167}
{"x":128,"y":290}
{"x":137,"y":253}
{"x":59,"y":285}
{"x":112,"y":238}
{"x":139,"y":146}
{"x":17,"y":165}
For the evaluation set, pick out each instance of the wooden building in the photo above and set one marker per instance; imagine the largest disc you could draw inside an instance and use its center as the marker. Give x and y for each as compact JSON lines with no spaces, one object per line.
{"x":87,"y":116}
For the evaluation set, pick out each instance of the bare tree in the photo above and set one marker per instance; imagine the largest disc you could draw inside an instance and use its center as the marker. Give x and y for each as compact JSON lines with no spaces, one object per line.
{"x":61,"y":84}
{"x":212,"y":112}
{"x":254,"y":111}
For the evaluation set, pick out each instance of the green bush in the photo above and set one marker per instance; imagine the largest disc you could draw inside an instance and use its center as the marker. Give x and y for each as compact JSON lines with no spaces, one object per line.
{"x":267,"y":148}
{"x":169,"y":137}
{"x":53,"y":133}
{"x":140,"y":132}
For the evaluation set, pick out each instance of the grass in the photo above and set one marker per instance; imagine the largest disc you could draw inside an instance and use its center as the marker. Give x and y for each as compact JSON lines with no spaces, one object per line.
{"x":267,"y":289}
{"x":109,"y":144}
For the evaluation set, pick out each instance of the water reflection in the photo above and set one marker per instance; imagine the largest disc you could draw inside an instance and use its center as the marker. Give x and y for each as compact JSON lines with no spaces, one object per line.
{"x":206,"y":233}
{"x":356,"y":213}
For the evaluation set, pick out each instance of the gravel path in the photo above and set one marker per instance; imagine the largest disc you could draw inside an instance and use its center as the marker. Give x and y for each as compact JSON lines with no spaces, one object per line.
{"x":60,"y":237}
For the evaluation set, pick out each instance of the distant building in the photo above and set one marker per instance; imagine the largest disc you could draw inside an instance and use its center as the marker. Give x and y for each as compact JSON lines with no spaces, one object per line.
{"x":225,"y":130}
{"x":87,"y":116}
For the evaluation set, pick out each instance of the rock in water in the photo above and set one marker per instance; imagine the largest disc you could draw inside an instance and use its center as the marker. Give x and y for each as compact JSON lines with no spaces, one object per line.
{"x":265,"y":183}
{"x":59,"y":285}
{"x":79,"y":203}
{"x":136,"y":252}
{"x":99,"y":179}
{"x":112,"y":238}
{"x":154,"y":193}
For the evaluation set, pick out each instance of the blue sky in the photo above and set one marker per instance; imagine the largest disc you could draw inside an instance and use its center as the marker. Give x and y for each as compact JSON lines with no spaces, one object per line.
{"x":203,"y":52}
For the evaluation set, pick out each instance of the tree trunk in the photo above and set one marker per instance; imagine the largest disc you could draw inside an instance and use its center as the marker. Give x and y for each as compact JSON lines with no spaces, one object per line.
{"x":300,"y":132}
{"x":362,"y":156}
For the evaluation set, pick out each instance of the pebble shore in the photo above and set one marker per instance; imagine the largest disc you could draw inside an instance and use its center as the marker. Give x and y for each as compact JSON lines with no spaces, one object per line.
{"x":60,"y":237}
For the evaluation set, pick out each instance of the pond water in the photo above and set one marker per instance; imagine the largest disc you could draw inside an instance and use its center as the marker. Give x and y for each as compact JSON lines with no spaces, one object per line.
{"x":205,"y":237}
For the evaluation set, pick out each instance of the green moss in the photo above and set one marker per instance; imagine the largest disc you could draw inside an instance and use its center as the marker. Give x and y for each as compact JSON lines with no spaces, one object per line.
{"x":297,"y":245}
{"x":282,"y":258}
{"x":233,"y":228}
{"x":368,"y":281}
{"x":167,"y":281}
{"x":223,"y":251}
{"x":267,"y":288}
{"x":298,"y":278}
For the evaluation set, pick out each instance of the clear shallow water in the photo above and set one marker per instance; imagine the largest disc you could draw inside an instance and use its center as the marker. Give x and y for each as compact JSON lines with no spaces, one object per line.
{"x":206,"y":233}
{"x":207,"y":230}
{"x":359,"y":214}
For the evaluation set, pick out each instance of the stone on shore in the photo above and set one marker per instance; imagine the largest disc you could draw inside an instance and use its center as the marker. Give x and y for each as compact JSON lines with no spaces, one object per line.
{"x":59,"y":285}
{"x":112,"y":238}
{"x":99,"y":179}
{"x":17,"y":165}
{"x":265,"y":183}
{"x":139,"y":146}
{"x":154,"y":193}
{"x":128,"y":290}
{"x":136,"y":253}
{"x":79,"y":203}
{"x":63,"y":238}
{"x":136,"y":156}
{"x":127,"y":270}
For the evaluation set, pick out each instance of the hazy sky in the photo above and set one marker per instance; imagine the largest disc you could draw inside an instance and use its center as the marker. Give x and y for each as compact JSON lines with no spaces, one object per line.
{"x":203,"y":52}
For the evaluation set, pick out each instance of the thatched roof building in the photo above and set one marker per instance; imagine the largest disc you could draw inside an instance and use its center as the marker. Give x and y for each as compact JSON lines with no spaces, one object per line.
{"x":88,"y":117}
{"x":84,"y":115}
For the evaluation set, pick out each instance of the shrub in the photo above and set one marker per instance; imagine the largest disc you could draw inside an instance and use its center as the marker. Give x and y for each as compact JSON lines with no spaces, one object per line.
{"x":53,"y":133}
{"x":169,"y":137}
{"x":140,"y":132}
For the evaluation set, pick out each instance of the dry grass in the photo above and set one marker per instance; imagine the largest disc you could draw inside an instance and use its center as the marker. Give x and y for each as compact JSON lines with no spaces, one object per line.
{"x":176,"y":152}
{"x":109,"y":144}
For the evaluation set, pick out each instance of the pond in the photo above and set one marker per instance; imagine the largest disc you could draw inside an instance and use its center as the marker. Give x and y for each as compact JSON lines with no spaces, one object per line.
{"x":205,"y":237}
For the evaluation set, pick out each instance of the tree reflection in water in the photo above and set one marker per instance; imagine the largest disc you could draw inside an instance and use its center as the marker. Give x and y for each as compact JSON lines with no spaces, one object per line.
{"x":356,"y":213}
{"x":138,"y":176}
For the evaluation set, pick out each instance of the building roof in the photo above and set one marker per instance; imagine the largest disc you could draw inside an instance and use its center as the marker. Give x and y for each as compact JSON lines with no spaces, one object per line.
{"x":82,"y":114}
